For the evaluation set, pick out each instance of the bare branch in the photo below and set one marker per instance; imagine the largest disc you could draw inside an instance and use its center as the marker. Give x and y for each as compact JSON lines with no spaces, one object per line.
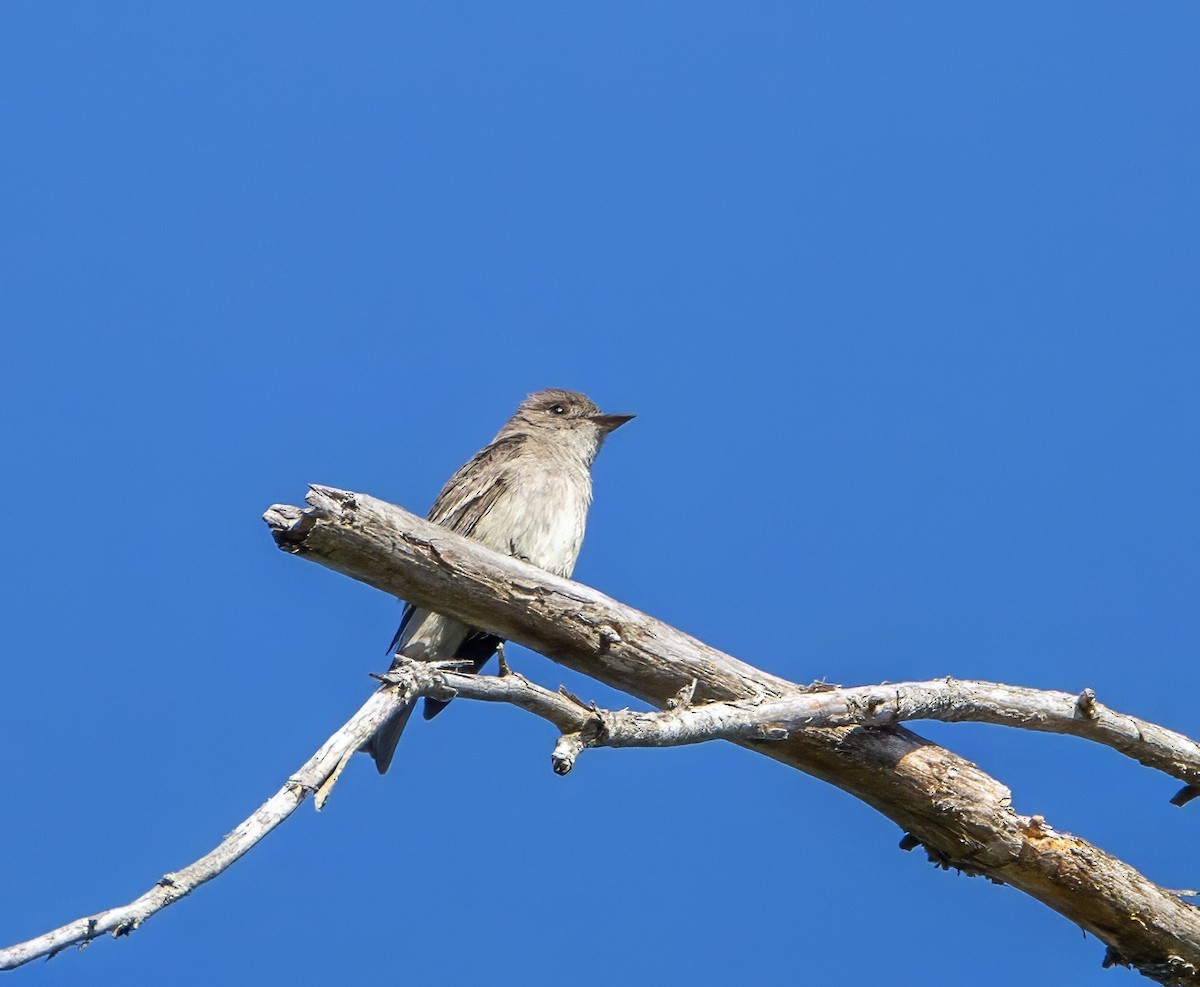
{"x":846,"y":736}
{"x":962,"y":701}
{"x":963,"y":817}
{"x":318,"y":774}
{"x":948,"y":700}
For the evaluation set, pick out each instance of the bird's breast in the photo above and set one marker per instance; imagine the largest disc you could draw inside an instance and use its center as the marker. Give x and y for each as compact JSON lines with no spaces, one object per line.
{"x":540,"y":517}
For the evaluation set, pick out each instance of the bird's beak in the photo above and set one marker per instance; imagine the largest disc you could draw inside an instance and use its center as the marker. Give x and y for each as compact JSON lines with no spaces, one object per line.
{"x":610,"y":423}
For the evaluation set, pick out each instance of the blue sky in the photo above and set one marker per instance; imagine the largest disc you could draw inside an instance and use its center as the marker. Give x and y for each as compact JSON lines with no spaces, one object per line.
{"x":905,"y":298}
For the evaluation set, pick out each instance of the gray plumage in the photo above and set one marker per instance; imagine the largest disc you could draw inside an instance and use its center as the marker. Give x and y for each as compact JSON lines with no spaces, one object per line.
{"x":525,"y":494}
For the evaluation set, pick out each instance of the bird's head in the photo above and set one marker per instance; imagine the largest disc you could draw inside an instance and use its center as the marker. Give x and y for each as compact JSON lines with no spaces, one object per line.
{"x":568,"y":415}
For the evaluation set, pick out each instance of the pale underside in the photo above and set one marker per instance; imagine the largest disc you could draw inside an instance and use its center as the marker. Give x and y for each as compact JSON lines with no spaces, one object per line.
{"x":541,"y":521}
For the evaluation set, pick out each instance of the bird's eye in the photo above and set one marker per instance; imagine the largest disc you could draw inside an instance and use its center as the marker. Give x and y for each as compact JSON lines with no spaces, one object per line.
{"x":558,"y":409}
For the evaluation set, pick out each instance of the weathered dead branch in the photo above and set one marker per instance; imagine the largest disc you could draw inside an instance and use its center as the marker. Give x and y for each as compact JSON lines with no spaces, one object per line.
{"x":963,"y":817}
{"x":845,"y":736}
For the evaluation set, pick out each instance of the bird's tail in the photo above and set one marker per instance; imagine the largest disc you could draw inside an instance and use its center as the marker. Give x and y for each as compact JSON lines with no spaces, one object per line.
{"x":382,"y":745}
{"x":478,"y":649}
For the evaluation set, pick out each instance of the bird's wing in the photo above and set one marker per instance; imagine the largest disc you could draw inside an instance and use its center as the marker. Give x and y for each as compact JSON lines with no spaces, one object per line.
{"x":467,"y":497}
{"x":474,"y":489}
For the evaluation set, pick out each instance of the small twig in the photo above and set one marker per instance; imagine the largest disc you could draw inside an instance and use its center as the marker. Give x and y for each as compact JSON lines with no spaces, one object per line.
{"x":569,"y":747}
{"x":1085,"y":705}
{"x":683,"y":698}
{"x":326,"y":787}
{"x":318,"y":775}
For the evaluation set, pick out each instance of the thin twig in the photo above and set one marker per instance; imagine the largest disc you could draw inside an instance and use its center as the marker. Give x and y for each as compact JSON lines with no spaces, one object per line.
{"x":318,"y":774}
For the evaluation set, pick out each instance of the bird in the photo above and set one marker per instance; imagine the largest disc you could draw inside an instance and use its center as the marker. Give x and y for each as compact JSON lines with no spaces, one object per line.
{"x":525,"y":494}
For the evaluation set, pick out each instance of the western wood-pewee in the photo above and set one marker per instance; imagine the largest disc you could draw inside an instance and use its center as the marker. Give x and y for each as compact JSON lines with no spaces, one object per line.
{"x":526,"y":494}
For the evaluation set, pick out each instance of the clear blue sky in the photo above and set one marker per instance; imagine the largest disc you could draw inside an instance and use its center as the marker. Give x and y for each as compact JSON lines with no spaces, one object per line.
{"x":906,"y":301}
